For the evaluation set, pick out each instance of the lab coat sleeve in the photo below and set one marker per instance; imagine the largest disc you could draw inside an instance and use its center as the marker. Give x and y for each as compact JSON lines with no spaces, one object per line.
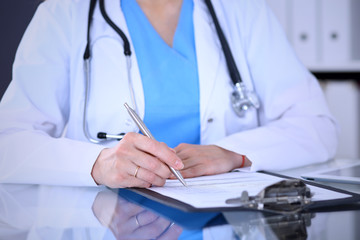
{"x":35,"y":108}
{"x":295,"y":125}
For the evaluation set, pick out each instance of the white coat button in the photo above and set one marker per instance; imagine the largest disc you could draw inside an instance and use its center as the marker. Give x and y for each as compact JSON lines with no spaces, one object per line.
{"x":210,"y":120}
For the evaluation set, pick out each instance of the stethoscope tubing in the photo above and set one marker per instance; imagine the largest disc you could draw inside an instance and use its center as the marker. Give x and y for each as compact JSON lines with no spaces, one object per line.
{"x":240,"y":99}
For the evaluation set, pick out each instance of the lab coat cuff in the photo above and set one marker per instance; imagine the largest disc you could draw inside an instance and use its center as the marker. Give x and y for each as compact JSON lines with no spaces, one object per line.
{"x":90,"y":155}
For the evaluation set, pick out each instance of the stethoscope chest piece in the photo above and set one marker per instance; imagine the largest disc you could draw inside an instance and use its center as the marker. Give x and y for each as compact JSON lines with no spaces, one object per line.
{"x":242,"y":99}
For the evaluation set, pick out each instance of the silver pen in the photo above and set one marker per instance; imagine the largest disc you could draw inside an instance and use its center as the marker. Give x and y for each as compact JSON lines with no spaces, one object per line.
{"x":147,"y":133}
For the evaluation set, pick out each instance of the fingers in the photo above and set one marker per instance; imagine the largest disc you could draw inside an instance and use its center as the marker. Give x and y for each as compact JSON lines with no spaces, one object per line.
{"x":146,"y":176}
{"x":121,"y":218}
{"x":196,"y":170}
{"x":136,"y":161}
{"x":150,"y":163}
{"x":153,"y":229}
{"x":157,"y":149}
{"x":144,"y":218}
{"x":202,"y":160}
{"x":144,"y":225}
{"x":186,"y":151}
{"x":130,"y":221}
{"x":153,"y":158}
{"x":137,"y":182}
{"x":141,"y":177}
{"x":173,"y":232}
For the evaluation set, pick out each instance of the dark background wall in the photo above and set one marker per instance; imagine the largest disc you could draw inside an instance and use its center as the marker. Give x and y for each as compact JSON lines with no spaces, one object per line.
{"x":15,"y":15}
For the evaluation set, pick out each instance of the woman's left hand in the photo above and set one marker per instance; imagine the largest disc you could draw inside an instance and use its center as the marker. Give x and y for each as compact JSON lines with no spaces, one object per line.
{"x":202,"y":160}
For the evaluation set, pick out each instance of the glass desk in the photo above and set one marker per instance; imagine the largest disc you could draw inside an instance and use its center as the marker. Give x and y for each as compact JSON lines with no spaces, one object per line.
{"x":48,"y":212}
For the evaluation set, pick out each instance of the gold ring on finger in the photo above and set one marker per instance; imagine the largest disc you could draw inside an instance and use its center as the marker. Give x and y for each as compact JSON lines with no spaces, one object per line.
{"x":136,"y":171}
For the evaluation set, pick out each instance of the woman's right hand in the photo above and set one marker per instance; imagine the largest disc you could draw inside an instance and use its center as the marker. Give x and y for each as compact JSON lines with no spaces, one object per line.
{"x":136,"y":161}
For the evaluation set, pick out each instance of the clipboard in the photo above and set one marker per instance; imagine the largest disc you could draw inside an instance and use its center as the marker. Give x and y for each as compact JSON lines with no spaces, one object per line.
{"x":350,"y":198}
{"x":326,"y":204}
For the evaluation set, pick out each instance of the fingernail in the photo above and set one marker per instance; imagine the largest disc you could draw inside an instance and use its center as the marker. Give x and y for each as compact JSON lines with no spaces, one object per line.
{"x":173,"y":150}
{"x":179,"y":164}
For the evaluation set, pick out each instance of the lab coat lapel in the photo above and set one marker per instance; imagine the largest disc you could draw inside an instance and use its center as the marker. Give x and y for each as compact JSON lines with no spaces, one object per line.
{"x":208,"y":51}
{"x":113,"y":9}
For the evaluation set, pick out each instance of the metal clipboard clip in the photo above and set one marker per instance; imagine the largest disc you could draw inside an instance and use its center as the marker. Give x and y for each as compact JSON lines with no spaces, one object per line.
{"x":286,"y":197}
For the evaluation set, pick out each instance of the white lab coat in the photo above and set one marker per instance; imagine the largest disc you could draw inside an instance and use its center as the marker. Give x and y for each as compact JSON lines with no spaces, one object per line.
{"x":292,"y":128}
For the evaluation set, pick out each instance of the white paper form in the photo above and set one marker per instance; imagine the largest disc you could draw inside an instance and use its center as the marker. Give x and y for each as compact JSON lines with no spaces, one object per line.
{"x":213,"y":191}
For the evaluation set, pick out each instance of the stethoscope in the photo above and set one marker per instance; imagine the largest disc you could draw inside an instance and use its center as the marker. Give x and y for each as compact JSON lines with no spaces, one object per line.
{"x":242,"y":99}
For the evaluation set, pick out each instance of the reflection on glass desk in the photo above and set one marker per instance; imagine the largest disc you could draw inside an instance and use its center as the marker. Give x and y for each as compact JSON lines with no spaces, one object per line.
{"x":46,"y":212}
{"x":337,"y":163}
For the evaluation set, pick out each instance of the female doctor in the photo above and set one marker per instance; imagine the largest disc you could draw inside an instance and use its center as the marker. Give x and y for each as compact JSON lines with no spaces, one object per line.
{"x":172,"y":68}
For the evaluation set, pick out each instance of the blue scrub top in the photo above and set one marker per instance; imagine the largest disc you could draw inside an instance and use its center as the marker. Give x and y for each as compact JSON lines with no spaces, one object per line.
{"x":169,"y":75}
